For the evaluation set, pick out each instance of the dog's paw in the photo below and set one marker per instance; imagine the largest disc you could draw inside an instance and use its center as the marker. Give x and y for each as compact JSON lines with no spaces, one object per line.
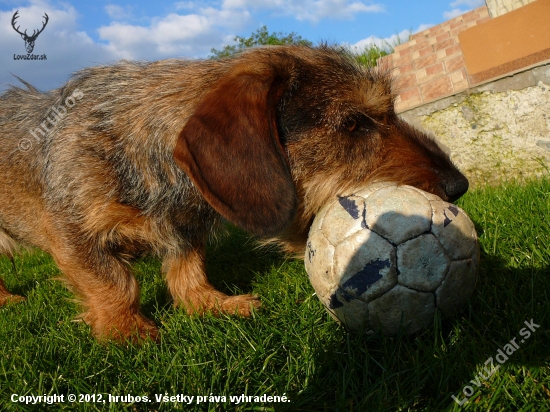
{"x":241,"y":305}
{"x":11,"y":299}
{"x":217,"y":302}
{"x":131,"y":328}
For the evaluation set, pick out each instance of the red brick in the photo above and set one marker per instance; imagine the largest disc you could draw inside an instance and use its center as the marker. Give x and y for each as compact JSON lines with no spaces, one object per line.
{"x":400,"y":61}
{"x":408,"y":99}
{"x":435,"y":31}
{"x":411,"y":94}
{"x":456,"y":24}
{"x":442,"y":37}
{"x":444,"y":44}
{"x":450,"y":51}
{"x":436,"y":88}
{"x":454,"y":63}
{"x":437,"y":68}
{"x":401,"y":47}
{"x":404,"y":52}
{"x":425,"y":61}
{"x":420,"y":44}
{"x":406,"y":68}
{"x":470,"y":16}
{"x":405,"y":82}
{"x":425,"y":51}
{"x":454,"y":32}
{"x":421,"y":36}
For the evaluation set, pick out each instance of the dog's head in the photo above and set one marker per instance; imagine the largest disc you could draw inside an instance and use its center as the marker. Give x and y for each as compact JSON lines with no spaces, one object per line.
{"x":286,"y":128}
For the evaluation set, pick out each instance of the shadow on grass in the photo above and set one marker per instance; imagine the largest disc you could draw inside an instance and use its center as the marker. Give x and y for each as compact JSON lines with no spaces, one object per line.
{"x":233,"y":263}
{"x":424,"y":370}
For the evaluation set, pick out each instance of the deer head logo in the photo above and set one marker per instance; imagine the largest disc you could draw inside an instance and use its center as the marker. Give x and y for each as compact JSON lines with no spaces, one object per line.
{"x":29,"y":40}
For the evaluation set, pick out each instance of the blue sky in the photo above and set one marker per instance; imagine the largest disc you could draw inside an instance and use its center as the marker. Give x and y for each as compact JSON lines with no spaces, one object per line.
{"x":85,"y":33}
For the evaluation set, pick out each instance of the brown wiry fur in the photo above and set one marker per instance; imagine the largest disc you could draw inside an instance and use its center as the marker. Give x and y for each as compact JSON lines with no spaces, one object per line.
{"x":149,"y":157}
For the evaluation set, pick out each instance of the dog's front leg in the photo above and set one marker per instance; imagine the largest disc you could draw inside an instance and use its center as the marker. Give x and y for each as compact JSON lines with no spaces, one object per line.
{"x":108,"y":291}
{"x":191,"y":290}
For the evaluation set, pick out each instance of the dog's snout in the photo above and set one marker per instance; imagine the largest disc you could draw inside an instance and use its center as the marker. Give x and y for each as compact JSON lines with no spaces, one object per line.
{"x":455,"y":188}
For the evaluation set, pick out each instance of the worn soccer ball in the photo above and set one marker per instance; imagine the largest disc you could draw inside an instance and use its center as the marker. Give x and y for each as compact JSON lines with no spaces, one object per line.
{"x":388,"y":256}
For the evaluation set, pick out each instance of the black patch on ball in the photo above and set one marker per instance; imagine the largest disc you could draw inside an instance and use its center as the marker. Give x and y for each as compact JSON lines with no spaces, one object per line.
{"x":334,"y":301}
{"x":311,"y":251}
{"x":350,"y":206}
{"x":453,"y":209}
{"x":364,"y":221}
{"x":448,"y":220}
{"x":367,"y":276}
{"x":337,"y":298}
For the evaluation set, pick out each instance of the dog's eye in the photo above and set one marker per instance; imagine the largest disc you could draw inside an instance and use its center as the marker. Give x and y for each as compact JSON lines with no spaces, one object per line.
{"x":351,"y":125}
{"x":359,"y":124}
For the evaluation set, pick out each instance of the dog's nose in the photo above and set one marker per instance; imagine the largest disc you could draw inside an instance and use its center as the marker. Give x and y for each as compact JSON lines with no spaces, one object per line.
{"x":455,"y":188}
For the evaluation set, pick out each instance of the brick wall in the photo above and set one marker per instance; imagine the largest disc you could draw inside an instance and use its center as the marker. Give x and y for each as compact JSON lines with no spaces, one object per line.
{"x":431,"y":66}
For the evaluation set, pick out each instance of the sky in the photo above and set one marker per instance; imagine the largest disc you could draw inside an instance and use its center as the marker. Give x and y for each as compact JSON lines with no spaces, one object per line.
{"x":80,"y":34}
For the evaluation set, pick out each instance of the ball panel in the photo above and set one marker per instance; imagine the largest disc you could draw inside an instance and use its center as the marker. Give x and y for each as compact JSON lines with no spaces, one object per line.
{"x":454,"y":230}
{"x":414,"y":310}
{"x":354,"y":314}
{"x":318,"y":262}
{"x":422,"y":263}
{"x":319,"y":217}
{"x":398,"y":213}
{"x":365,"y":265}
{"x":457,"y":288}
{"x":343,"y":218}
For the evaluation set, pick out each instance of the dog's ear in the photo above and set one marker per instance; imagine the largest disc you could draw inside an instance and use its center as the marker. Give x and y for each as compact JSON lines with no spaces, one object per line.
{"x":231,"y":151}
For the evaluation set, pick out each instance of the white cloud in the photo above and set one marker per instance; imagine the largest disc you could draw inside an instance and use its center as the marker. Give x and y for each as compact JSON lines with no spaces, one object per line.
{"x":117,"y":12}
{"x":185,"y":5}
{"x":382,"y":43}
{"x":470,"y":4}
{"x":448,"y":15}
{"x":189,"y":35}
{"x":67,"y":49}
{"x":194,"y":33}
{"x":422,"y":27}
{"x":311,"y":10}
{"x":457,"y":10}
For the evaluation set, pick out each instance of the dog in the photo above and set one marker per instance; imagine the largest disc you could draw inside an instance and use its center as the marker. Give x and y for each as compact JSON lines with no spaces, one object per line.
{"x":151,"y":158}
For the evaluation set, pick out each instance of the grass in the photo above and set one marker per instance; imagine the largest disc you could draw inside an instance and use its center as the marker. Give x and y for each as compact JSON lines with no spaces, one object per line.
{"x":292,"y":347}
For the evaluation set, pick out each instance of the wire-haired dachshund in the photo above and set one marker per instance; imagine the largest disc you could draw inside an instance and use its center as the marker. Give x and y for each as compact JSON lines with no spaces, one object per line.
{"x":137,"y":158}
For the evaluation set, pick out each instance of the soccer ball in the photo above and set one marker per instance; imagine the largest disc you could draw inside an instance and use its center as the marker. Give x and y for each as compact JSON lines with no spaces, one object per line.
{"x":389,"y":256}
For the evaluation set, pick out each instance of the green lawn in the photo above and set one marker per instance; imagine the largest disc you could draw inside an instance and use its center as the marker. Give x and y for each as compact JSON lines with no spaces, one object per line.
{"x":292,"y":348}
